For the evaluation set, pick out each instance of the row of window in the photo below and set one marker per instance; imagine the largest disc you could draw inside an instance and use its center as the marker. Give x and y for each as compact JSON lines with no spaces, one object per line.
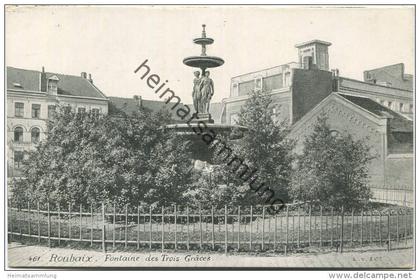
{"x":261,"y":84}
{"x":401,"y":107}
{"x":18,"y":135}
{"x":36,"y":110}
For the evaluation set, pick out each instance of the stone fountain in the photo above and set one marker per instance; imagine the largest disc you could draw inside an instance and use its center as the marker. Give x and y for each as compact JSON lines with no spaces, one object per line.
{"x":202,"y":92}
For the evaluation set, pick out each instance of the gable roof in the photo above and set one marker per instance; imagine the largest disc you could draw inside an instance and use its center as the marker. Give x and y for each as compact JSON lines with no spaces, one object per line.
{"x":397,"y":122}
{"x":30,"y":80}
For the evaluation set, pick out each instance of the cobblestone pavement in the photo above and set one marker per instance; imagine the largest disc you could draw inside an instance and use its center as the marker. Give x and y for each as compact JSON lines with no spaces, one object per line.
{"x":23,"y":256}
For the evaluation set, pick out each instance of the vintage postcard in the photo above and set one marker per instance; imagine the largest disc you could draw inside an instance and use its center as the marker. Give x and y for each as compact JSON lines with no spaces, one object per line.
{"x":210,"y":137}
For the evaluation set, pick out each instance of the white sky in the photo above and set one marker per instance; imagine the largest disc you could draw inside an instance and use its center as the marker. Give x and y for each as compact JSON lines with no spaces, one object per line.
{"x":112,"y":41}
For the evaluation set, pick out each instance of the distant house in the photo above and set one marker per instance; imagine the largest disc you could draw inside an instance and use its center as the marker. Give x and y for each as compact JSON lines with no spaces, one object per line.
{"x":32,"y":97}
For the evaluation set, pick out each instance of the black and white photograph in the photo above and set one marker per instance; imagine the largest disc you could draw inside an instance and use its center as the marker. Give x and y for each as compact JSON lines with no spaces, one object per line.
{"x":209,"y":137}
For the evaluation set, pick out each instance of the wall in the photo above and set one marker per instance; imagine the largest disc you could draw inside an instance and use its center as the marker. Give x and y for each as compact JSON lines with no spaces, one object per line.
{"x":399,"y":171}
{"x":393,"y":75}
{"x":309,"y":87}
{"x":345,"y":120}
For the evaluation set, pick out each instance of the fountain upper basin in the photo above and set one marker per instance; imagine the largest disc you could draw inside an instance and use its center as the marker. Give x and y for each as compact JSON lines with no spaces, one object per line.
{"x":203,"y":61}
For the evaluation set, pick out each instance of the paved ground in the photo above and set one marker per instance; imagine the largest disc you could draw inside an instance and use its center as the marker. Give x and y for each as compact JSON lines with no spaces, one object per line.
{"x":38,"y":256}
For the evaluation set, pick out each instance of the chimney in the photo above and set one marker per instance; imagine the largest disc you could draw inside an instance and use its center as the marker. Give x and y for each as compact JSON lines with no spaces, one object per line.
{"x":335,"y":80}
{"x":83,"y":75}
{"x":138,"y":99}
{"x":43,"y":80}
{"x":90,"y":78}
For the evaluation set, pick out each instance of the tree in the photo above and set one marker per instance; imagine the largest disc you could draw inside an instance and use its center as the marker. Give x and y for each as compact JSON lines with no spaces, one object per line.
{"x":264,"y":148}
{"x":333,"y":168}
{"x":90,"y":158}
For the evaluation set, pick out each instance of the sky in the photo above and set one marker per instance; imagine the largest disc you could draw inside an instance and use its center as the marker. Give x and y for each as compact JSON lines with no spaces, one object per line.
{"x":110,"y":42}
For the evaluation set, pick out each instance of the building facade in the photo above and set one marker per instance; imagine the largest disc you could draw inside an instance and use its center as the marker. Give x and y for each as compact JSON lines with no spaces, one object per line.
{"x":297,"y":87}
{"x":379,"y":108}
{"x":32,"y":97}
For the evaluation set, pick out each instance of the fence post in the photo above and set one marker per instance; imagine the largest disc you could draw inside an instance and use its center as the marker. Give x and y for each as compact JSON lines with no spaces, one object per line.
{"x":29,"y":218}
{"x":226,"y":230}
{"x":212,"y":226}
{"x":176,"y":226}
{"x":91,"y":225}
{"x":239,"y":227}
{"x":275,"y":231}
{"x":201,"y":226}
{"x":263,"y":226}
{"x":49,"y":224}
{"x":138,"y":226}
{"x":69,"y":225}
{"x":19,"y":222}
{"x":39,"y":223}
{"x":163,"y":228}
{"x":342,"y":230}
{"x":320,"y":226}
{"x":352,"y":227}
{"x":103,"y":229}
{"x":114,"y":217}
{"x":80,"y":222}
{"x":405,"y":226}
{"x":126,"y":227}
{"x":310,"y":224}
{"x":389,"y":230}
{"x":380,"y":228}
{"x":287,"y":229}
{"x":371,"y":227}
{"x":150,"y":227}
{"x":298,"y":233}
{"x":188,"y":228}
{"x":59,"y":223}
{"x":332,"y":226}
{"x":361,"y":228}
{"x":398,"y":233}
{"x":250,"y":229}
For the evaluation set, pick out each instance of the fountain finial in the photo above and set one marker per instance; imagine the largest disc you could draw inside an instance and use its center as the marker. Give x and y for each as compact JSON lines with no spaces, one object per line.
{"x":203,"y":34}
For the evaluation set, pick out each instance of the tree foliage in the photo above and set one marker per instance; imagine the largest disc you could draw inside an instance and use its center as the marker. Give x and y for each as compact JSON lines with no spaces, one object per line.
{"x":333,"y":168}
{"x":264,"y":148}
{"x":89,"y":158}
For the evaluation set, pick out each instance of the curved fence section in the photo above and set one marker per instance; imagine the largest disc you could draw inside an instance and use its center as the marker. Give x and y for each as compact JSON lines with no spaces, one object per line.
{"x":296,"y":228}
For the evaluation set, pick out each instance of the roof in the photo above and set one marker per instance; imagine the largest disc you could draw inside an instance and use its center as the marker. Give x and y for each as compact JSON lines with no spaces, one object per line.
{"x":397,"y":122}
{"x":313,"y":42}
{"x":131,"y":105}
{"x":29,"y":80}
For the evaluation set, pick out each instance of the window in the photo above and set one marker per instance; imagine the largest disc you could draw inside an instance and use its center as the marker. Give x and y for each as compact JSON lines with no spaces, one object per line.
{"x":258,"y":84}
{"x":389,"y":104}
{"x":235,"y":90}
{"x":401,"y":107}
{"x":36,"y":111}
{"x":95,"y":111}
{"x":287,"y":79}
{"x":81,"y":110}
{"x":411,"y":108}
{"x":18,"y":135}
{"x":18,"y":158}
{"x":51,"y":111}
{"x":35,"y":132}
{"x":19,"y":109}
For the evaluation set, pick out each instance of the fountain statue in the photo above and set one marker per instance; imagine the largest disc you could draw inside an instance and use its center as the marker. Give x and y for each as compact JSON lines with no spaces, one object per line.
{"x":203,"y":87}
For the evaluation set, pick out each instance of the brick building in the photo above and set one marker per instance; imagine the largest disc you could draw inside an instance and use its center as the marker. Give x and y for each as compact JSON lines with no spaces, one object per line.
{"x":380,"y":107}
